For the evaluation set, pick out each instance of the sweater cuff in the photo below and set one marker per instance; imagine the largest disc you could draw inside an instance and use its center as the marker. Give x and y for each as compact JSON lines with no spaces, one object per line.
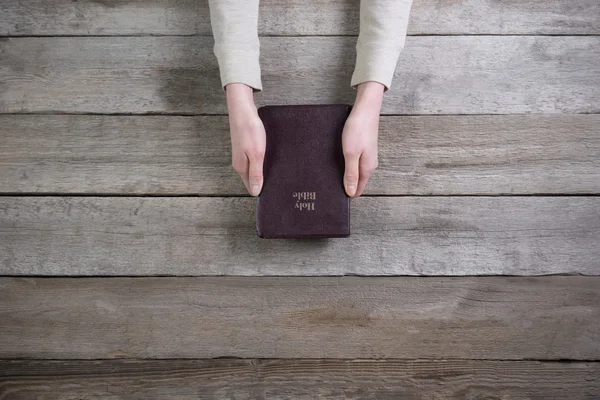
{"x":375,"y":64}
{"x":239,"y":66}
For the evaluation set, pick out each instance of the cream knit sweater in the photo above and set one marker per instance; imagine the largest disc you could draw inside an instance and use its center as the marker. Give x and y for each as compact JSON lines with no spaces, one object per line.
{"x":381,"y":38}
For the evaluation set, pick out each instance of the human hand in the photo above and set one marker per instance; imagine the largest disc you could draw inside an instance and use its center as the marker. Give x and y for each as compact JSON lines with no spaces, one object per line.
{"x":359,"y":138}
{"x":248,"y":138}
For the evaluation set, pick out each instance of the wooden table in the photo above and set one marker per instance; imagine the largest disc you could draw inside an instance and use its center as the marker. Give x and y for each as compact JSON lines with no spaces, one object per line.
{"x":129,"y":264}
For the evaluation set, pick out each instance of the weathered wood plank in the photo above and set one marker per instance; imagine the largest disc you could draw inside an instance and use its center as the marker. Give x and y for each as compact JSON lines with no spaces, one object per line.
{"x":299,"y":379}
{"x":436,"y":74}
{"x":301,"y":317}
{"x":281,"y":17}
{"x":216,"y":236}
{"x":509,"y":154}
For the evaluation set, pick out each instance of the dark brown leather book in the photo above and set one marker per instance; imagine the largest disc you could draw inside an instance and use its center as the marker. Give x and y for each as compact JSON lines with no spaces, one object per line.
{"x":303,"y":193}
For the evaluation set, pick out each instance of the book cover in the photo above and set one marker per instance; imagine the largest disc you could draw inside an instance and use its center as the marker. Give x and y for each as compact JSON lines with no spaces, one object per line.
{"x":303,"y":194}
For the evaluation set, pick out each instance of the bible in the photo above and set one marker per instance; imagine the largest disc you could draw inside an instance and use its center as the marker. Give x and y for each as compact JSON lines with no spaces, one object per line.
{"x":303,"y":193}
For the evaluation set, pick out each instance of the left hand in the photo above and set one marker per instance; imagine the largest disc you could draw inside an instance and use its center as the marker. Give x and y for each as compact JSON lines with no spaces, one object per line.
{"x":359,"y":138}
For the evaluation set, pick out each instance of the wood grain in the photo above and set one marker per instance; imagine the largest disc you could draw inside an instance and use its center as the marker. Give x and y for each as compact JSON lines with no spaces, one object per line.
{"x":298,"y":379}
{"x":281,"y":17}
{"x":216,"y":236}
{"x":436,"y":74}
{"x":440,"y":155}
{"x":542,"y":318}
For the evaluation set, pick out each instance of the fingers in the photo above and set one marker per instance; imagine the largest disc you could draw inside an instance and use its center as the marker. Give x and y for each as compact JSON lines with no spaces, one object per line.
{"x":351,"y":173}
{"x":255,"y":172}
{"x":359,"y":168}
{"x":249,"y":166}
{"x":366,"y":168}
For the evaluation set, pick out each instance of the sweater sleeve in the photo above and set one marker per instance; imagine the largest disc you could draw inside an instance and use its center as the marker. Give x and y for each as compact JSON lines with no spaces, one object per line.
{"x":383,"y":25}
{"x":235,"y":31}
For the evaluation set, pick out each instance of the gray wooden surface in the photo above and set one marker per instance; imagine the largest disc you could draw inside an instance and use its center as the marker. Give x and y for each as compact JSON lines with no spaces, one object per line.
{"x":436,"y":74}
{"x":541,"y":318}
{"x":216,"y":236}
{"x":441,"y":155}
{"x":298,"y":380}
{"x":515,"y":193}
{"x":283,"y":17}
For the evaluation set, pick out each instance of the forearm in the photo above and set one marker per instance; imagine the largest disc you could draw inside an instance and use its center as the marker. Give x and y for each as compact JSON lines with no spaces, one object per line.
{"x":369,"y":98}
{"x":240,"y":104}
{"x":383,"y":26}
{"x":237,"y":48}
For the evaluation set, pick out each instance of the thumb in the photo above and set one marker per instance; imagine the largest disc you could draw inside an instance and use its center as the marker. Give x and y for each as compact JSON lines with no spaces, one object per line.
{"x":255,"y":173}
{"x":351,"y":174}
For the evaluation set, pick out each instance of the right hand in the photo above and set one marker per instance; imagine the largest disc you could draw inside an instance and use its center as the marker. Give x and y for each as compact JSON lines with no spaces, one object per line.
{"x":248,"y":138}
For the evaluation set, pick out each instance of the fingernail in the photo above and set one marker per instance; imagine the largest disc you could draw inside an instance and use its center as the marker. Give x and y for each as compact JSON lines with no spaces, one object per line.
{"x":351,"y":189}
{"x":255,"y":189}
